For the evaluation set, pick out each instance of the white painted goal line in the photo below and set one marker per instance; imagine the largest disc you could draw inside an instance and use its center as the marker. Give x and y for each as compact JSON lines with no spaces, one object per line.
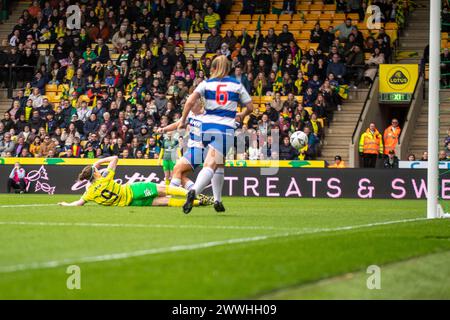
{"x":188,"y":247}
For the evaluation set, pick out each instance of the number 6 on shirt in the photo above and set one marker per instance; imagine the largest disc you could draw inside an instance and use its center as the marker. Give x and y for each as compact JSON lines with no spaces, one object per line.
{"x":221,"y":96}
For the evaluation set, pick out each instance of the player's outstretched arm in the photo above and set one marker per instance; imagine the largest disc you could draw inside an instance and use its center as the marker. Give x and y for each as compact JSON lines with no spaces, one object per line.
{"x":190,"y":103}
{"x":76,"y":203}
{"x":112,"y":162}
{"x":171,"y":127}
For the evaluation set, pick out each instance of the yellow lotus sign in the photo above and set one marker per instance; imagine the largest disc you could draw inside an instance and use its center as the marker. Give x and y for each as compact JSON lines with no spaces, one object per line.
{"x":397,"y":82}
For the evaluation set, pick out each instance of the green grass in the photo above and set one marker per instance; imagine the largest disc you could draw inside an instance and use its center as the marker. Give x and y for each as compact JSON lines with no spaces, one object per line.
{"x":285,"y":249}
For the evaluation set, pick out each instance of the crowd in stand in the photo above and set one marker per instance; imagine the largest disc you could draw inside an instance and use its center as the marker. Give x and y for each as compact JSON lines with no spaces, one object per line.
{"x":114,"y":106}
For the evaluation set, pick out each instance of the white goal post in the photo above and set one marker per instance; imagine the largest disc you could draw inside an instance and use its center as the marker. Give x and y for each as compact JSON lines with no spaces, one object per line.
{"x":434,"y":210}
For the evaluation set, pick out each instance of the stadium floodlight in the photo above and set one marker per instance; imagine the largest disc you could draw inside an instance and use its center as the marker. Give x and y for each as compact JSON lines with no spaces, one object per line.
{"x":433,"y":210}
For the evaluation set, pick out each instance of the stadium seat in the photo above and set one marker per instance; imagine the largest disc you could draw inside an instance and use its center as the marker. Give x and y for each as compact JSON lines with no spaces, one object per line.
{"x":271,"y":17}
{"x":316,"y":7}
{"x":244,"y":17}
{"x":353,"y":16}
{"x":312,"y":17}
{"x":303,"y":7}
{"x":339,"y":16}
{"x":51,"y":88}
{"x":326,"y":16}
{"x":285,"y":18}
{"x":329,"y":8}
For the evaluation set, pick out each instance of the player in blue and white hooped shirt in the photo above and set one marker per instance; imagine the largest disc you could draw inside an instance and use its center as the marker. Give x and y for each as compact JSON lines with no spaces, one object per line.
{"x":194,"y":154}
{"x":222,"y":94}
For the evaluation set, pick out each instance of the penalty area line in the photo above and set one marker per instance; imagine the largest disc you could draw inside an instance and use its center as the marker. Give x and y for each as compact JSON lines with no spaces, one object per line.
{"x":187,"y":247}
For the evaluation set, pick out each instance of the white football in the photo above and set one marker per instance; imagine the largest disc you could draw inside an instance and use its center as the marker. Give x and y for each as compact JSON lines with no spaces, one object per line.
{"x":299,"y":139}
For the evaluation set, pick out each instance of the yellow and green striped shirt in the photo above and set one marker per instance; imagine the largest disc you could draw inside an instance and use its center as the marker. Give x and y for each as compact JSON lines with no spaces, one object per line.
{"x":107,"y":192}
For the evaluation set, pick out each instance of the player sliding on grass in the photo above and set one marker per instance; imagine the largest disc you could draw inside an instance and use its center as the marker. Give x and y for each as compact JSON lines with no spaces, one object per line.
{"x":222,"y":94}
{"x":105,"y":191}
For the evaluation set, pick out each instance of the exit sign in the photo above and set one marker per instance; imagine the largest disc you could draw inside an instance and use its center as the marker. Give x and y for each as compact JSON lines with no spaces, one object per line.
{"x":395,"y":97}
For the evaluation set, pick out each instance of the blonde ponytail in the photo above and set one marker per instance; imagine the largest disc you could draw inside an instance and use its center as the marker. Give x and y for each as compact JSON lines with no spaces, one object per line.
{"x":220,"y":67}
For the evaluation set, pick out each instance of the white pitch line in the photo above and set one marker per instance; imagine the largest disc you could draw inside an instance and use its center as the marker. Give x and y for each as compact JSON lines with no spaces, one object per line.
{"x":188,"y":247}
{"x":138,"y":225}
{"x":28,"y":205}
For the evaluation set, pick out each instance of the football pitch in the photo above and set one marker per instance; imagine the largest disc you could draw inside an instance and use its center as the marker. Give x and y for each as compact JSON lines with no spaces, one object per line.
{"x":260,"y":248}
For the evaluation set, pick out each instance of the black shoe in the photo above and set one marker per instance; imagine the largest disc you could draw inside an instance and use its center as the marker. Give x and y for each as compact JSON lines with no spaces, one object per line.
{"x":187,"y":206}
{"x":218,"y":206}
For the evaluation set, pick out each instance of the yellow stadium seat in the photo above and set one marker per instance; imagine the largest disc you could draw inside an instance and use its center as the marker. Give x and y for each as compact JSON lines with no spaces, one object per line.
{"x":339,"y":16}
{"x":303,"y":44}
{"x":329,"y":7}
{"x":271,"y":17}
{"x":444,"y":35}
{"x":313,"y":46}
{"x":391,"y":26}
{"x":353,"y":16}
{"x":297,"y":17}
{"x":324,"y":24}
{"x":245,"y":17}
{"x":296,"y":27}
{"x":312,"y":17}
{"x":316,"y":7}
{"x":232,"y":18}
{"x":326,"y":16}
{"x":308,"y":26}
{"x":284,"y":18}
{"x":303,"y":7}
{"x":305,"y":35}
{"x":51,"y":88}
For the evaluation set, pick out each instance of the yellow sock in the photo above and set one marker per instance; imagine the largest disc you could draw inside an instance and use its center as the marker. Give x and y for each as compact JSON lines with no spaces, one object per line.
{"x":175,"y":191}
{"x":167,"y":182}
{"x":173,"y":202}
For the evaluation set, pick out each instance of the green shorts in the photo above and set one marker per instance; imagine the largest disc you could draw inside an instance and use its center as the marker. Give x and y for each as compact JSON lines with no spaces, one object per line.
{"x":143,"y":194}
{"x":168,"y":165}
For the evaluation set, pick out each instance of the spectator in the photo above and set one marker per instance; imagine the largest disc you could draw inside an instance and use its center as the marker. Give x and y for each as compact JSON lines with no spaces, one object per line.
{"x":287,"y":151}
{"x":337,"y":68}
{"x":370,"y":146}
{"x":316,"y":34}
{"x":375,"y":60}
{"x":285,"y":36}
{"x":35,"y":147}
{"x":213,"y":42}
{"x":211,"y":20}
{"x":391,"y":161}
{"x":443,"y":155}
{"x":338,"y":163}
{"x":424,"y":156}
{"x":6,"y":145}
{"x":390,"y":136}
{"x":17,"y":179}
{"x":344,"y":30}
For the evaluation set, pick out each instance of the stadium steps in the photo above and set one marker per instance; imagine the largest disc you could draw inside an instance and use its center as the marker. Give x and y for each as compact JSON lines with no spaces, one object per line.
{"x":419,"y":140}
{"x":338,"y":135}
{"x":16,"y":11}
{"x":414,"y":37}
